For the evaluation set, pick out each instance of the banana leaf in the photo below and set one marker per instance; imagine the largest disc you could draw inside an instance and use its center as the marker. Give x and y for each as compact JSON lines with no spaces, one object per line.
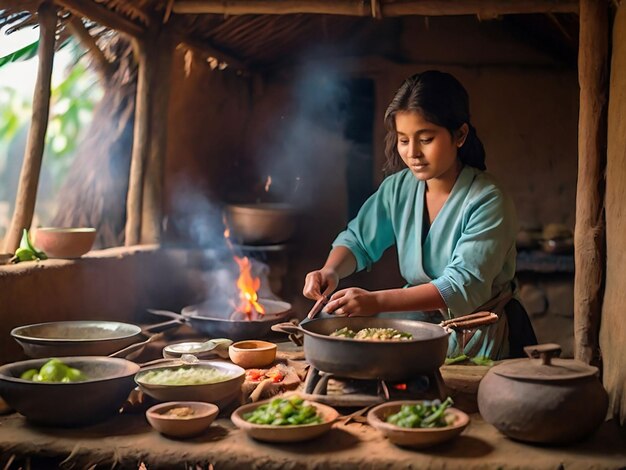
{"x":25,"y":53}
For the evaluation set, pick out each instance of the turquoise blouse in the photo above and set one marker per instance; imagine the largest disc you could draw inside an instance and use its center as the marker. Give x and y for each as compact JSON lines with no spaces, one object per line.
{"x":468,"y":253}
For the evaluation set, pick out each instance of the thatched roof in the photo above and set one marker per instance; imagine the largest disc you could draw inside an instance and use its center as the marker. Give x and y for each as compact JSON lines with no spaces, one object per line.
{"x":259,"y":34}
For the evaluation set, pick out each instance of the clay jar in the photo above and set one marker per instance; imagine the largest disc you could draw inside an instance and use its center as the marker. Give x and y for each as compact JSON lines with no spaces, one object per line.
{"x":544,"y":400}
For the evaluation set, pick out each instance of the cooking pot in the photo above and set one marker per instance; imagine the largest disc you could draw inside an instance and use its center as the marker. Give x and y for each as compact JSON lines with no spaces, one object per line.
{"x":543,"y":399}
{"x":262,"y":223}
{"x":367,"y":359}
{"x":205,"y":321}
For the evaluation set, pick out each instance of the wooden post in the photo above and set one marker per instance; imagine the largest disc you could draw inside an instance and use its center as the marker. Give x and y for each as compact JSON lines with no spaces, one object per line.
{"x":33,"y":155}
{"x":141,"y":143}
{"x":589,"y":236}
{"x":161,"y":54}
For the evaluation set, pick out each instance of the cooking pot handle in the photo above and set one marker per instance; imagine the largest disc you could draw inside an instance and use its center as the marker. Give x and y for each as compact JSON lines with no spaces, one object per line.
{"x":287,"y":327}
{"x":294,"y":331}
{"x":544,"y":351}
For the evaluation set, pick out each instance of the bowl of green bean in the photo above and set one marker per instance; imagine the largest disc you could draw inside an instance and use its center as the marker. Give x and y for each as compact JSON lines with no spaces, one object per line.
{"x":418,"y":423}
{"x":284,"y":419}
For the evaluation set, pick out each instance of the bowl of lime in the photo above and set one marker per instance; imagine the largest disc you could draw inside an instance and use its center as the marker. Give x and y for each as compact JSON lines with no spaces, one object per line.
{"x":70,"y":391}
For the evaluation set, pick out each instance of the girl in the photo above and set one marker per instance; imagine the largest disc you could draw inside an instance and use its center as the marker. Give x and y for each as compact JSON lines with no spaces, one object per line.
{"x":454,"y":227}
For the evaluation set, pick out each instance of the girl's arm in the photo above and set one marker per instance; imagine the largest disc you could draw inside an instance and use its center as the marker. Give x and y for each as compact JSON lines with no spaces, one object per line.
{"x":360,"y":302}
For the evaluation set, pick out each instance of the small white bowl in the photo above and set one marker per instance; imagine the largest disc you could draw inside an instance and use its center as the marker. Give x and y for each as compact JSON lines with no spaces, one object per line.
{"x":203,"y":414}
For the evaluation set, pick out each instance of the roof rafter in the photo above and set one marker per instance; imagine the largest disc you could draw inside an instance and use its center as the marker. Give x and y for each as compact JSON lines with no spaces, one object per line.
{"x":369,"y":7}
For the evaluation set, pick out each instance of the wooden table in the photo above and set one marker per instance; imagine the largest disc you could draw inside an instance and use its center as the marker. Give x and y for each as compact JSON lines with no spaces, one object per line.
{"x":128,"y":441}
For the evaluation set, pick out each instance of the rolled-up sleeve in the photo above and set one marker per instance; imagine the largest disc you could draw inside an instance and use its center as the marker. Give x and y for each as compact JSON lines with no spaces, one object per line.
{"x":480,"y":253}
{"x":370,"y":233}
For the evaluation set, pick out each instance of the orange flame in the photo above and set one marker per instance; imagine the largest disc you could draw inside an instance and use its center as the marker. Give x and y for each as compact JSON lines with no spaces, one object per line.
{"x":248,"y":287}
{"x":268,"y":183}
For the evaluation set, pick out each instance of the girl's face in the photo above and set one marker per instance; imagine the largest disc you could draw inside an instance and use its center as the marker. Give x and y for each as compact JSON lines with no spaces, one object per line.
{"x":427,"y":149}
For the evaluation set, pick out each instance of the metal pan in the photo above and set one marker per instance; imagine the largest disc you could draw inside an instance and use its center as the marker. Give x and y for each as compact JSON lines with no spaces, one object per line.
{"x":366,"y":359}
{"x":75,"y":338}
{"x":201,"y":320}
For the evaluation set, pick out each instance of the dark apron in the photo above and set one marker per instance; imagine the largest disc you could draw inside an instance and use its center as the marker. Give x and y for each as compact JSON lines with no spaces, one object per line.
{"x":521,"y":332}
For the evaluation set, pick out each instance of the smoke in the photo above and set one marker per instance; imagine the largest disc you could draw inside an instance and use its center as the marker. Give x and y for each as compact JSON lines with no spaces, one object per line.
{"x":199,"y":222}
{"x":308,"y":145}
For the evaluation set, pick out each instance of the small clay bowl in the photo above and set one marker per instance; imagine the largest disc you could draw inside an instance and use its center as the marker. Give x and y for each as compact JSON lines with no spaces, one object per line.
{"x":417,"y":438}
{"x":252,"y":354}
{"x":182,"y":424}
{"x":64,"y":242}
{"x":296,"y":433}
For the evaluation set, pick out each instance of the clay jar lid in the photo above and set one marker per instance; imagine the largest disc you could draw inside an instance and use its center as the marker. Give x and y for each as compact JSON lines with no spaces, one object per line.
{"x":543,"y":366}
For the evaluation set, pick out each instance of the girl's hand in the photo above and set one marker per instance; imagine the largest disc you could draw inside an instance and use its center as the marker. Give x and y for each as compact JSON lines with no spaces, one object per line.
{"x":321,"y":282}
{"x":353,"y":302}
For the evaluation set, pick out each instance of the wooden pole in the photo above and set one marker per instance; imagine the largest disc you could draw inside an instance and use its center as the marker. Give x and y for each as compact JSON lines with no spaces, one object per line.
{"x":33,"y":155}
{"x":589,"y":236}
{"x":103,"y":66}
{"x":363,"y":7}
{"x":141,"y":144}
{"x":102,"y":15}
{"x":161,"y":54}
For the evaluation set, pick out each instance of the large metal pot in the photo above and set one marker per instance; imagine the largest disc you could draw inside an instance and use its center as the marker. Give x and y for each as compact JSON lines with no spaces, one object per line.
{"x":109,"y":381}
{"x":364,"y":359}
{"x":205,"y":321}
{"x":543,"y":400}
{"x":262,"y":223}
{"x":75,"y":338}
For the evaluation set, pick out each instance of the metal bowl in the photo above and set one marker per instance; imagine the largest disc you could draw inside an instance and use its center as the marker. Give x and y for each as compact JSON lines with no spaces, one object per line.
{"x":220,"y":393}
{"x":75,"y":338}
{"x":109,"y":382}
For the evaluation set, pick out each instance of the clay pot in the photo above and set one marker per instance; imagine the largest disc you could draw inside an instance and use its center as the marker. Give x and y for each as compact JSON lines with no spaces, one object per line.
{"x":543,"y":400}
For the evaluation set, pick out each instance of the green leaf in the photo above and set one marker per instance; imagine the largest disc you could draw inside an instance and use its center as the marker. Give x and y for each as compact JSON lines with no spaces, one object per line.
{"x":25,"y":53}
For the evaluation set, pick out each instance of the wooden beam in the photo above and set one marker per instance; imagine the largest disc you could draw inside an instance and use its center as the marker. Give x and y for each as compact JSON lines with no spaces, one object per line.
{"x":589,"y":236}
{"x":102,"y":15}
{"x":273,"y":7}
{"x":103,"y":66}
{"x":33,"y":155}
{"x":483,"y":8}
{"x":161,"y":52}
{"x":141,"y":144}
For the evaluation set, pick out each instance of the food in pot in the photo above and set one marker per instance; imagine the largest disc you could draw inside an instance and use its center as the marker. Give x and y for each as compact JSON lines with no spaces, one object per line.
{"x":427,"y":414}
{"x":185,"y":375}
{"x":54,"y":371}
{"x":292,"y":411}
{"x":180,"y":412}
{"x":373,"y":334}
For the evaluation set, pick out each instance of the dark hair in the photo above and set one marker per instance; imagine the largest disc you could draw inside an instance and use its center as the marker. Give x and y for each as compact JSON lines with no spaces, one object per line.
{"x":441,"y":99}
